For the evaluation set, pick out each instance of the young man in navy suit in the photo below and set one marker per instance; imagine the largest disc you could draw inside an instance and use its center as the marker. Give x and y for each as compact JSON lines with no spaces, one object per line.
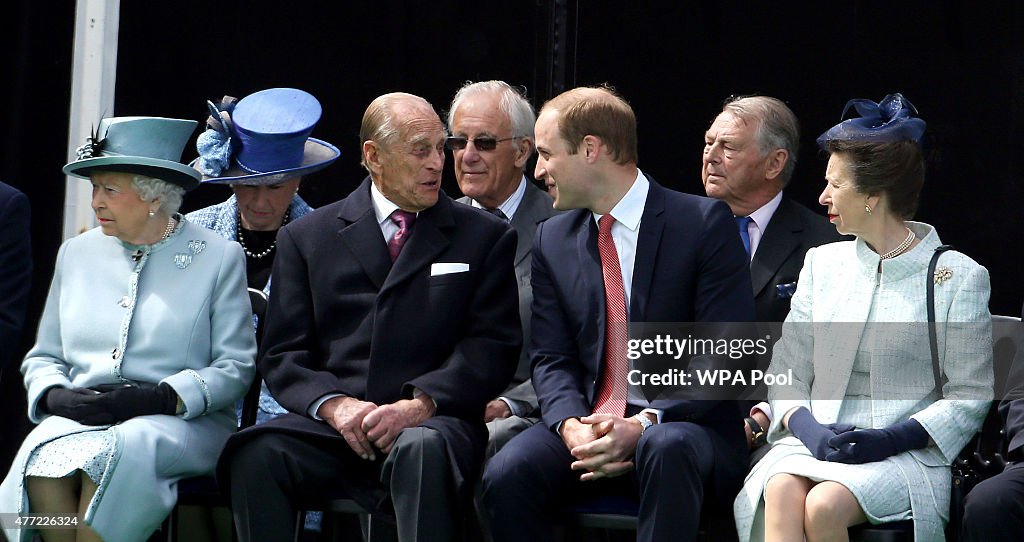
{"x":630,"y":251}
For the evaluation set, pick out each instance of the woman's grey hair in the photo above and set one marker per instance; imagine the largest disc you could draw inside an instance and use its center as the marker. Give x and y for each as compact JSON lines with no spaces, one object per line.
{"x":150,"y":189}
{"x":777,"y":127}
{"x":513,"y":103}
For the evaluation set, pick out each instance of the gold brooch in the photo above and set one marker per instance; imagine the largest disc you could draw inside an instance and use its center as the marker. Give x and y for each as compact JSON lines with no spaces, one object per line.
{"x":942,"y":274}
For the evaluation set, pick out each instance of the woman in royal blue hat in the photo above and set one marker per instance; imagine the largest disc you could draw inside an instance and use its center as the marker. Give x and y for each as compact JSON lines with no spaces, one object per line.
{"x":867,"y":430}
{"x":144,"y":346}
{"x":260,"y":146}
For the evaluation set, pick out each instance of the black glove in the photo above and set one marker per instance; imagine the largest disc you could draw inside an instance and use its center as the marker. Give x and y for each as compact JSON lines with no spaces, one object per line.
{"x":869,"y":445}
{"x":126,"y":401}
{"x":814,"y":435}
{"x":80,"y":404}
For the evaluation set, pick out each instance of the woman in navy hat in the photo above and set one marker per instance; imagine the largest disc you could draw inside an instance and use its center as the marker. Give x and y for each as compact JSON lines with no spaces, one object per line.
{"x":262,"y":149}
{"x":867,"y":429}
{"x":144,"y":346}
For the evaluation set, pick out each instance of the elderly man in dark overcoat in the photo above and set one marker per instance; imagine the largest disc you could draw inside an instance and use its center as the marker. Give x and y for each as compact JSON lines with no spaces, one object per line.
{"x":393,"y":321}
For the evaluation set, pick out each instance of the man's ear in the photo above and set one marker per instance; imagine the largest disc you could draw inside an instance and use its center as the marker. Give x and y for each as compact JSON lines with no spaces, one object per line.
{"x":372,"y":155}
{"x":524,"y":148}
{"x":775,"y":163}
{"x":591,"y":148}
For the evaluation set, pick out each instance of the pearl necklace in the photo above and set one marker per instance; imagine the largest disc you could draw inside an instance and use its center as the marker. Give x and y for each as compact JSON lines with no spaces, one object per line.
{"x":137,"y":255}
{"x":901,"y":248}
{"x":169,"y":229}
{"x":273,"y":245}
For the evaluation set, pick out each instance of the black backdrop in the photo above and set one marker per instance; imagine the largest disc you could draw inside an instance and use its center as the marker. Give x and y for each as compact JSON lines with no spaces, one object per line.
{"x":961,"y":64}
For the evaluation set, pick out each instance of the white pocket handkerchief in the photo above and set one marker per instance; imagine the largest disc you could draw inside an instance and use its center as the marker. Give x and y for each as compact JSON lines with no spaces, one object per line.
{"x":445,"y":268}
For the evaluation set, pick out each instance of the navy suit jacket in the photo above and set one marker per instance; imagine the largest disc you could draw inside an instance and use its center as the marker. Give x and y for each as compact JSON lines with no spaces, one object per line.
{"x":15,"y":269}
{"x":792,"y":230}
{"x":689,"y":266}
{"x":343,"y":319}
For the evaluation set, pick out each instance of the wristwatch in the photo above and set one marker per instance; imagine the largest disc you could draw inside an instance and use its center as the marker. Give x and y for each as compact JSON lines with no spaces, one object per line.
{"x":759,"y":436}
{"x":645,"y":422}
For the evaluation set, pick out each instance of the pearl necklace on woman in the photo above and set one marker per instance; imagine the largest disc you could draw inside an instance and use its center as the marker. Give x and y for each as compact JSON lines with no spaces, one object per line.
{"x":171,"y":223}
{"x":169,"y":229}
{"x":900,"y":248}
{"x":268,"y":250}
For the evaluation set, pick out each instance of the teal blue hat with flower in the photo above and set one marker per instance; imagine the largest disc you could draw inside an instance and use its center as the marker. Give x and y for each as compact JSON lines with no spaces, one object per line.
{"x":149,"y":146}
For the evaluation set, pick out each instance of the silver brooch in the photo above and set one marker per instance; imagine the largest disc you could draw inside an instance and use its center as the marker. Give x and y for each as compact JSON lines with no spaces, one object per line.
{"x":182,"y":260}
{"x":942,"y":274}
{"x":196,"y":246}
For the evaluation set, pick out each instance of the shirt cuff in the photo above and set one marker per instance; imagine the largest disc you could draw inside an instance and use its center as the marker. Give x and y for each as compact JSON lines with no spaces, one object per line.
{"x":416,"y":392}
{"x":764,"y":407}
{"x":513,"y":406}
{"x":657,"y":413}
{"x":319,"y":402}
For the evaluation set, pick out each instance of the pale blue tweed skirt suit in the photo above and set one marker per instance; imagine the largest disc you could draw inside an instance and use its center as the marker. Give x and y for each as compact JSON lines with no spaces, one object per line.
{"x":178,"y":314}
{"x":846,"y":371}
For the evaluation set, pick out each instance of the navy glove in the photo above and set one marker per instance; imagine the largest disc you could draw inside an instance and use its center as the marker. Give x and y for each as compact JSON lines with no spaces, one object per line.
{"x":814,"y":435}
{"x":840,"y":428}
{"x":869,"y":445}
{"x":80,"y":404}
{"x":126,"y":401}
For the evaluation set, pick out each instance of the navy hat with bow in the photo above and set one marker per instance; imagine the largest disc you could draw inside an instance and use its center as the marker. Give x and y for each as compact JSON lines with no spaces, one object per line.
{"x":892,"y":119}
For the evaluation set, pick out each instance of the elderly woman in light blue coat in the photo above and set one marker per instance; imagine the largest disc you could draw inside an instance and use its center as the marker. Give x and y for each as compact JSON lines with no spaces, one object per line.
{"x":261,"y":148}
{"x":865,"y":433}
{"x":144,"y":346}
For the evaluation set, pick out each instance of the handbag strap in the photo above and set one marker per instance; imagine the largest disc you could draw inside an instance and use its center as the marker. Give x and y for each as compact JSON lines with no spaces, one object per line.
{"x":932,"y":334}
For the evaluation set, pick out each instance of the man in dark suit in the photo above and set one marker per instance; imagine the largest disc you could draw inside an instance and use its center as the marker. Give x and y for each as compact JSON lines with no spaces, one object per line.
{"x":679,"y":259}
{"x":491,"y":126}
{"x":994,"y":509}
{"x":15,"y":269}
{"x":750,"y":152}
{"x":392,"y":322}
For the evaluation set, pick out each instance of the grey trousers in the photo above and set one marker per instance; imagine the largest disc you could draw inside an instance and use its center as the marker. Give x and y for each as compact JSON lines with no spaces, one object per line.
{"x":275,"y":471}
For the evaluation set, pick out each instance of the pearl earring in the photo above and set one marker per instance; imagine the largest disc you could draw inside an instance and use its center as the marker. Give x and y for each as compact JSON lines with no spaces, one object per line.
{"x":152,"y":212}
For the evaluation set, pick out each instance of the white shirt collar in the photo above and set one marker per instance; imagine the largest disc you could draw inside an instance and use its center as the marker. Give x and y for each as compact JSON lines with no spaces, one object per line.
{"x":630,"y":209}
{"x":382,"y":206}
{"x":763,"y":215}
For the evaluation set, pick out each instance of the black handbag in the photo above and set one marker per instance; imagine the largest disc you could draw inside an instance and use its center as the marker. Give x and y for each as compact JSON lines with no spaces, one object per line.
{"x":971,"y":466}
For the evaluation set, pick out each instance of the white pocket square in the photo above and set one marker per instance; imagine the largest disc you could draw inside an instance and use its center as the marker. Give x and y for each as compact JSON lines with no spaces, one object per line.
{"x":447,"y":268}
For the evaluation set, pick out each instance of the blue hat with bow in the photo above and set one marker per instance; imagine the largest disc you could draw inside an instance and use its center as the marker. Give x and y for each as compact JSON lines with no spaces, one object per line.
{"x":149,"y":146}
{"x":892,"y":119}
{"x":263,"y":139}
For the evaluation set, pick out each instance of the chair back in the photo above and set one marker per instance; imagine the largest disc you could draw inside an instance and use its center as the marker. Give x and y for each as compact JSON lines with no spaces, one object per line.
{"x":251,"y":402}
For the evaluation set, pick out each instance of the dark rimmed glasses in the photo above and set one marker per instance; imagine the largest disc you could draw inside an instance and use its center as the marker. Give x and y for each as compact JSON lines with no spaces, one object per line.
{"x":482,"y":143}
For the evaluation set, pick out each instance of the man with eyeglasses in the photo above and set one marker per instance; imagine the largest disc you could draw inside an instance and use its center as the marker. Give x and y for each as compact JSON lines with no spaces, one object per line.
{"x":629,"y":251}
{"x":750,"y":151}
{"x":491,"y":126}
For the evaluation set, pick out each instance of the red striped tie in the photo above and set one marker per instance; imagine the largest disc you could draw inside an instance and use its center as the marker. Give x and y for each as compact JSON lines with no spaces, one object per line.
{"x":611,"y":397}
